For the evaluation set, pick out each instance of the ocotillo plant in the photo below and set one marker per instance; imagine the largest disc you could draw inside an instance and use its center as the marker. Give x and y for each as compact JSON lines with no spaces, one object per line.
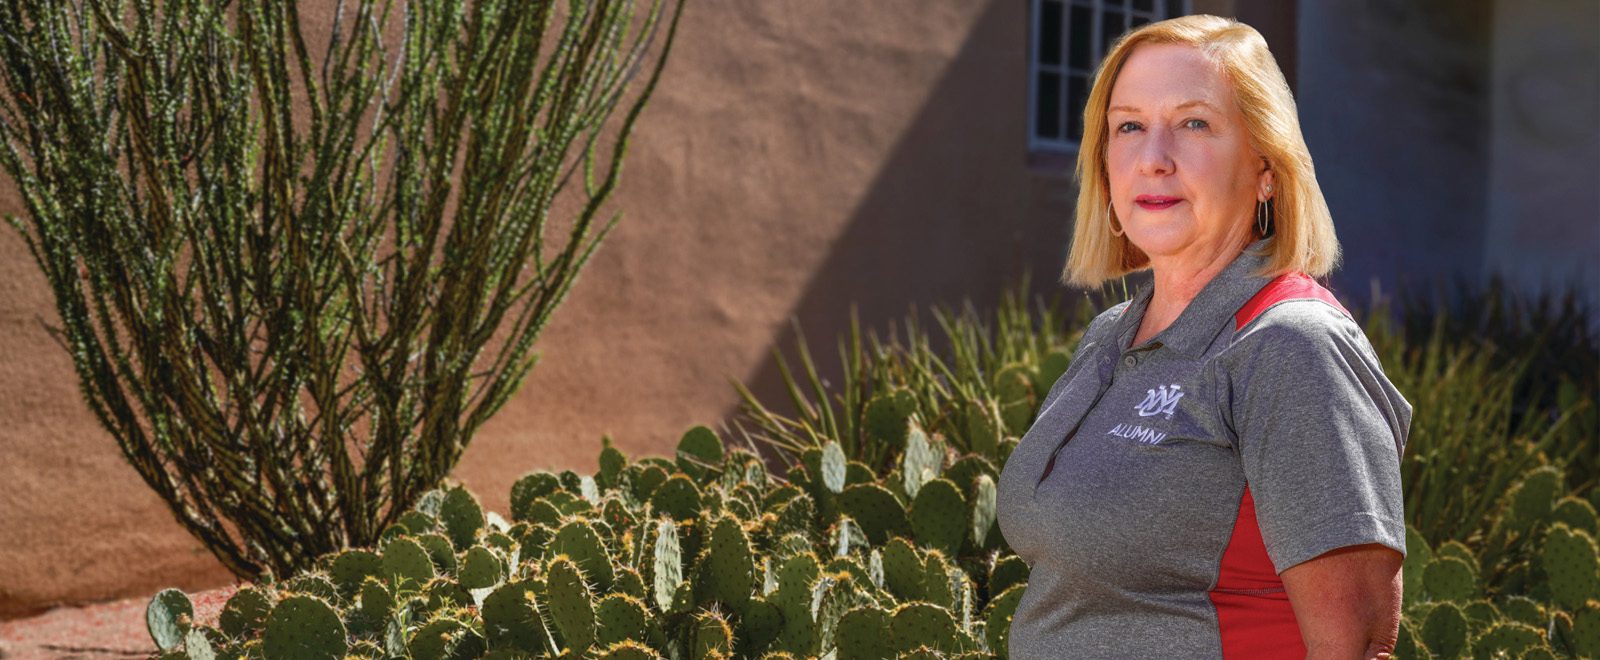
{"x":293,"y":286}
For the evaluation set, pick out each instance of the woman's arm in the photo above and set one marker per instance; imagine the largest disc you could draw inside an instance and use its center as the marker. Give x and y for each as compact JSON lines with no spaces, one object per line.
{"x":1347,"y":601}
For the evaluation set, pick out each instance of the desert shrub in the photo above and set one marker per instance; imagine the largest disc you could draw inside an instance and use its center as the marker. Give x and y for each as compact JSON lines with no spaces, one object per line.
{"x":293,"y":327}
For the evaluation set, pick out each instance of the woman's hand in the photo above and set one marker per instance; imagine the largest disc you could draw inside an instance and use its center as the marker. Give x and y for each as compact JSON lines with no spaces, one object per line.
{"x":1347,"y":601}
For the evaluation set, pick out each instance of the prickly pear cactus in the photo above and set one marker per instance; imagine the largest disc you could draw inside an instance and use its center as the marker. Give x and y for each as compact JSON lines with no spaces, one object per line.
{"x":168,"y":618}
{"x":939,"y":515}
{"x":1572,"y":561}
{"x":480,"y":569}
{"x":628,"y":650}
{"x":985,"y":497}
{"x":620,"y":617}
{"x":404,"y":559}
{"x":859,"y":633}
{"x":352,"y":567}
{"x":1508,"y":639}
{"x":1576,"y":513}
{"x":698,"y":448}
{"x":678,"y":497}
{"x":728,"y":569}
{"x":570,"y":603}
{"x":511,"y":619}
{"x":1450,"y":579}
{"x":712,"y":636}
{"x":1444,"y":631}
{"x":668,"y":565}
{"x":579,"y":541}
{"x":921,"y":624}
{"x":1532,"y":498}
{"x":245,"y":612}
{"x":304,"y":627}
{"x":462,"y":517}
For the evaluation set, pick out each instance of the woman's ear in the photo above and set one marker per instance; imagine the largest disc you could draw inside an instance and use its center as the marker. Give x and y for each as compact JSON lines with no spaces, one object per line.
{"x":1265,"y":189}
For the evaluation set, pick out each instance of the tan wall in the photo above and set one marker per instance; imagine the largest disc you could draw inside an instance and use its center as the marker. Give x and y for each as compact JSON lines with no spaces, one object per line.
{"x":797,"y":157}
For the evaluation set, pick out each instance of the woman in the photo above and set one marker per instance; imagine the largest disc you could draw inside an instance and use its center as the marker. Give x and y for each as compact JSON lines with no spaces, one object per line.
{"x":1218,"y":472}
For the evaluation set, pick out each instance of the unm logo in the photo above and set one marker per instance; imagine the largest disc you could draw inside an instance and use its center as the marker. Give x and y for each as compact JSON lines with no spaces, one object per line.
{"x":1161,"y":401}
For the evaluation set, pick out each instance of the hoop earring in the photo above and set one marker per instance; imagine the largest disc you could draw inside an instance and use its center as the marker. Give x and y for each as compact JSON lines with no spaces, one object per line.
{"x":1111,"y":220}
{"x":1261,"y":218}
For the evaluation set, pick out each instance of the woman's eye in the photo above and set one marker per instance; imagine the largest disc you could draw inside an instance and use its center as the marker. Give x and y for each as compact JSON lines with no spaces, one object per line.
{"x":1121,"y":128}
{"x":1190,"y":123}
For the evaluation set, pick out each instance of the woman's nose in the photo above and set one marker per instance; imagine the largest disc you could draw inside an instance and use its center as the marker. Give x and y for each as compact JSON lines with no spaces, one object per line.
{"x":1155,"y":152}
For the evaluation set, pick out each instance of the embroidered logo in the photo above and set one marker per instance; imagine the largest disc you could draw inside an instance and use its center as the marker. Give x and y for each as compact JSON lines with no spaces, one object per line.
{"x":1142,"y":434}
{"x":1161,"y":401}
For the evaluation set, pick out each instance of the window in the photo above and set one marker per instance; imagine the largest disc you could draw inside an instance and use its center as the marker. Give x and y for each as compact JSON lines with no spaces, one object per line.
{"x":1068,"y":40}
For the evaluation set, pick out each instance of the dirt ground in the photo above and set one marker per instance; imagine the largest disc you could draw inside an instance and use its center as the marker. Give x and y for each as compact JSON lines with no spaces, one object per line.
{"x":104,"y":630}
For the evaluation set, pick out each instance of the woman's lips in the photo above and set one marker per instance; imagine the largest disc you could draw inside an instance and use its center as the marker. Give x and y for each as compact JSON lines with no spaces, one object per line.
{"x":1155,"y":202}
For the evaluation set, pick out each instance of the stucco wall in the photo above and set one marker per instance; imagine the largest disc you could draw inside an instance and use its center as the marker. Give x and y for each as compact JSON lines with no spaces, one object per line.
{"x":1392,"y":102}
{"x":796,"y":157}
{"x":1544,"y":202}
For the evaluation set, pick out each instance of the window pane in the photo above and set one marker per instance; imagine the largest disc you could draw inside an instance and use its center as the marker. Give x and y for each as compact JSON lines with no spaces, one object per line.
{"x":1050,"y":32}
{"x":1048,"y":111}
{"x":1174,"y":8}
{"x":1082,"y":44}
{"x":1144,"y":5}
{"x":1077,"y":93}
{"x":1111,"y":27}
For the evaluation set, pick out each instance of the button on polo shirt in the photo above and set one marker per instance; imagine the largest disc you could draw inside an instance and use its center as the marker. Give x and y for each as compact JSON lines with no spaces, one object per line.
{"x":1163,"y":487}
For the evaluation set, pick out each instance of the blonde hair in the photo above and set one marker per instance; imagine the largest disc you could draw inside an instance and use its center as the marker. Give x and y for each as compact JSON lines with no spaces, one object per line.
{"x":1303,"y":238}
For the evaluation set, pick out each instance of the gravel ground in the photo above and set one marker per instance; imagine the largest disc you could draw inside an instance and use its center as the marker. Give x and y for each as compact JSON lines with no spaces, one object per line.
{"x":93,"y":632}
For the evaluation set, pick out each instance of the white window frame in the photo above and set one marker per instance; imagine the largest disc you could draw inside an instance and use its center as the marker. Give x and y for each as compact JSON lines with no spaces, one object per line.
{"x":1065,"y":68}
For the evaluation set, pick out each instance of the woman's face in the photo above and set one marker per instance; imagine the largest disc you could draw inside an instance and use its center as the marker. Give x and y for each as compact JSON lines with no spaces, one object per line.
{"x":1184,"y":176}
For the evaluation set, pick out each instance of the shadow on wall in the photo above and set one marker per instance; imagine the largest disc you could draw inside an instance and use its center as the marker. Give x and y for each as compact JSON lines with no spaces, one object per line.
{"x":952,"y":213}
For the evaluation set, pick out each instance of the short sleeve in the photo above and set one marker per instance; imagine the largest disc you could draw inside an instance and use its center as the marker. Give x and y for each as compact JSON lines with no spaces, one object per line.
{"x":1319,"y":430}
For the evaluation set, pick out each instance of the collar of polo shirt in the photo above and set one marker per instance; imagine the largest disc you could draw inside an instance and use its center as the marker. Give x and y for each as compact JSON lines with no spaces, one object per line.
{"x":1208,"y":314}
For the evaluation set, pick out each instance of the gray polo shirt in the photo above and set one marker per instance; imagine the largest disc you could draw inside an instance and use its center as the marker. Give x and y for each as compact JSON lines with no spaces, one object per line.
{"x":1163,"y":487}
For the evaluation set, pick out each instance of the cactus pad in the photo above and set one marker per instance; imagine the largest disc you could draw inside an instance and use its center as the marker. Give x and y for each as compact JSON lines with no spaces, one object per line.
{"x":480,"y":569}
{"x":618,"y":617}
{"x":1577,"y":513}
{"x":984,"y":499}
{"x":1450,"y":579}
{"x":888,"y":416}
{"x":728,"y":568}
{"x":446,"y":638}
{"x":1444,"y":631}
{"x":168,"y":618}
{"x":570,"y":604}
{"x":351,"y":568}
{"x":1572,"y":561}
{"x":628,"y":650}
{"x":921,"y":462}
{"x":440,"y":551}
{"x":510,"y":619}
{"x":578,"y":540}
{"x":832,"y":465}
{"x":461,"y":516}
{"x":1585,"y":631}
{"x":860,"y":634}
{"x":1532,"y":497}
{"x":1418,"y":554}
{"x":304,"y":627}
{"x":1509,"y":638}
{"x":712,"y":636}
{"x":922,"y":624}
{"x":997,"y":619}
{"x":699,"y":447}
{"x":668,"y":564}
{"x":677,"y":497}
{"x":245,"y":612}
{"x":938,"y":516}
